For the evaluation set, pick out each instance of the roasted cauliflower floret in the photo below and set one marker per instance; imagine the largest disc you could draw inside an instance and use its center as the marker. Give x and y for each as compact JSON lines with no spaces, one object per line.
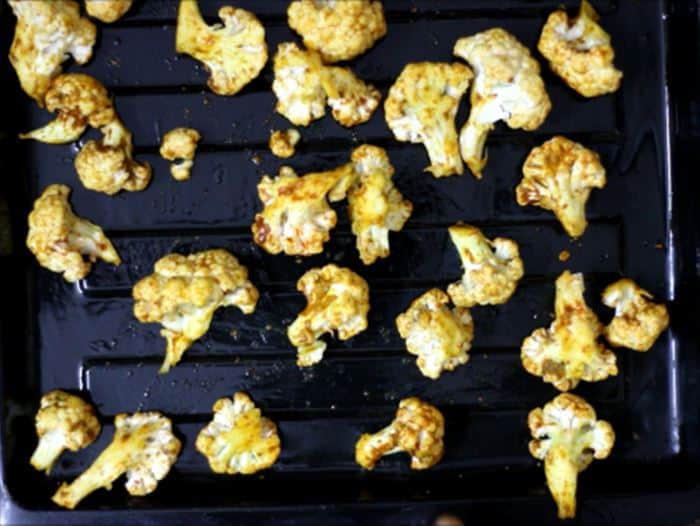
{"x":180,"y":145}
{"x":183,"y":293}
{"x":64,"y":421}
{"x":492,"y":269}
{"x":144,"y":448}
{"x":569,"y":351}
{"x":63,"y":242}
{"x":580,"y":52}
{"x":239,"y":439}
{"x":417,"y":429}
{"x":441,"y":337}
{"x":421,"y":108}
{"x":507,"y":87}
{"x":352,"y":101}
{"x":107,"y":11}
{"x":234,"y":53}
{"x":337,"y":300}
{"x":338,"y":29}
{"x":559,"y":176}
{"x":283,"y":143}
{"x":638,"y":321}
{"x":567,"y":437}
{"x":45,"y":34}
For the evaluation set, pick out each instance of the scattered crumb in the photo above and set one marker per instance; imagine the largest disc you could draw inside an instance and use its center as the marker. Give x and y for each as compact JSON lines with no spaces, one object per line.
{"x":268,"y":327}
{"x":256,"y":160}
{"x":282,"y":143}
{"x":660,"y":246}
{"x":234,"y":333}
{"x":564,"y":255}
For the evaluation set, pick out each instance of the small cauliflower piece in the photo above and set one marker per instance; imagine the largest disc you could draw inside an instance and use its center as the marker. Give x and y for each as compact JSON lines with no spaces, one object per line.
{"x":338,"y":29}
{"x":559,"y":176}
{"x":239,"y":439}
{"x":567,"y":436}
{"x":107,"y":11}
{"x":492,"y":269}
{"x":144,"y":448}
{"x":418,"y":429}
{"x":507,"y":87}
{"x":638,"y":321}
{"x":63,"y":242}
{"x":421,"y":108}
{"x":580,"y":52}
{"x":282,"y":143}
{"x":45,"y":35}
{"x":234,"y":53}
{"x":569,"y":351}
{"x":180,"y":145}
{"x":64,"y":421}
{"x":441,"y":337}
{"x":184,"y":292}
{"x":352,"y":101}
{"x":337,"y":300}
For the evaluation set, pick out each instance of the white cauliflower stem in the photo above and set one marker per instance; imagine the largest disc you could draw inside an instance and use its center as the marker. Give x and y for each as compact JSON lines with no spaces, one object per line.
{"x":107,"y":11}
{"x":180,"y":145}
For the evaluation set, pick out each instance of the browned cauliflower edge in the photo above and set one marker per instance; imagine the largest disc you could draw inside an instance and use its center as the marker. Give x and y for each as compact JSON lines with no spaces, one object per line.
{"x":283,"y":143}
{"x":107,"y":11}
{"x":180,"y":145}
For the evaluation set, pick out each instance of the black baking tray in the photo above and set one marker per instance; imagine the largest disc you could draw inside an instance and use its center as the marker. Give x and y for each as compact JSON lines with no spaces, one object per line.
{"x":83,"y":337}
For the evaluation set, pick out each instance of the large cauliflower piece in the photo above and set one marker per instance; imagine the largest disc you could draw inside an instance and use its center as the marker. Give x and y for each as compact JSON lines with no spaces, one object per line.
{"x":63,"y":242}
{"x":567,"y":437}
{"x":638,"y":321}
{"x":337,"y":300}
{"x":418,"y":429}
{"x":180,"y":145}
{"x":239,"y":439}
{"x":441,"y":337}
{"x":144,"y":448}
{"x":507,"y":87}
{"x":184,"y":292}
{"x":64,"y":421}
{"x":107,"y":11}
{"x":580,"y":52}
{"x":338,"y":29}
{"x":492,"y":269}
{"x":234,"y":53}
{"x":421,"y":108}
{"x":559,"y":176}
{"x":46,"y":33}
{"x":352,"y":101}
{"x":569,"y":351}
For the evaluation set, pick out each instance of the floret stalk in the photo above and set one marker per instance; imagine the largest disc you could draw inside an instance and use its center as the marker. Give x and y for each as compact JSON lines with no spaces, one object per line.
{"x":50,"y":447}
{"x":562,"y":475}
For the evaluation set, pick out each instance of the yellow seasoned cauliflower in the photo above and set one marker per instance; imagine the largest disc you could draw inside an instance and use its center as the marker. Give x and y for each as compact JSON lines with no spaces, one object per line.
{"x":144,"y":448}
{"x":567,"y":436}
{"x":63,"y":242}
{"x":559,"y":176}
{"x":107,"y":11}
{"x":239,"y":439}
{"x":64,"y":421}
{"x":421,"y":108}
{"x":234,"y":53}
{"x":180,"y":145}
{"x":441,"y":337}
{"x":569,"y":351}
{"x":638,"y":321}
{"x":507,"y":87}
{"x":45,"y":35}
{"x":580,"y":52}
{"x":337,"y":300}
{"x":183,"y":293}
{"x":338,"y":29}
{"x":283,"y":143}
{"x":352,"y":101}
{"x":418,"y":429}
{"x":492,"y":269}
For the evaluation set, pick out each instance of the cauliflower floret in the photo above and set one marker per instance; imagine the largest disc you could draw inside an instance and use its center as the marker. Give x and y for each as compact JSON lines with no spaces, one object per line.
{"x":64,"y":421}
{"x":183,"y":293}
{"x":63,"y":242}
{"x":46,"y":33}
{"x":569,"y":350}
{"x":492,"y":269}
{"x":234,"y":53}
{"x":337,"y":300}
{"x":282,"y":143}
{"x":107,"y":11}
{"x":441,"y":337}
{"x":417,"y":429}
{"x":338,"y":29}
{"x":638,"y":321}
{"x":180,"y":145}
{"x":144,"y":448}
{"x":352,"y":101}
{"x":239,"y":439}
{"x":580,"y":52}
{"x":567,"y":436}
{"x":559,"y":176}
{"x":421,"y":108}
{"x":507,"y":87}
